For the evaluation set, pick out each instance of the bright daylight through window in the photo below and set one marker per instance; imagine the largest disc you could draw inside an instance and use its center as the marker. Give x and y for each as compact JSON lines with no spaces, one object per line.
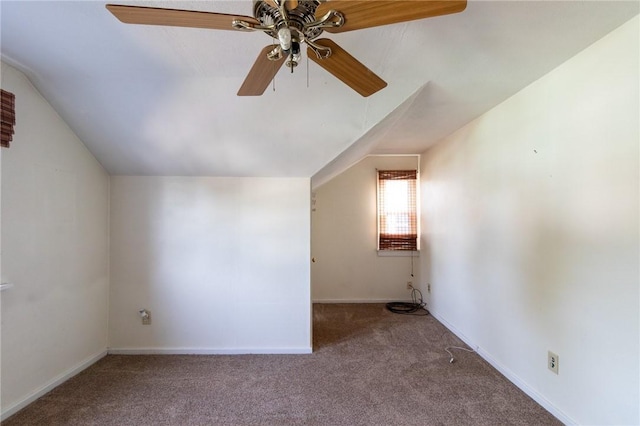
{"x":397,"y":210}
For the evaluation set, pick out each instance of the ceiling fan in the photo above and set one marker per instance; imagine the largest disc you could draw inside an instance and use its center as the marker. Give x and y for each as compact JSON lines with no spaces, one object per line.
{"x":293,"y":22}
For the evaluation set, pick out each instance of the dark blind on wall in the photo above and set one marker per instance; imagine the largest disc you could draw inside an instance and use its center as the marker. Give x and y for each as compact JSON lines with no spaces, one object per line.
{"x":397,"y":222}
{"x":7,"y":117}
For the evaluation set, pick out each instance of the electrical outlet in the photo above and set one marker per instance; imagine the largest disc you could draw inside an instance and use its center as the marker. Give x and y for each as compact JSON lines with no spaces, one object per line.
{"x":553,"y":360}
{"x":409,"y":285}
{"x":429,"y":288}
{"x":145,"y":314}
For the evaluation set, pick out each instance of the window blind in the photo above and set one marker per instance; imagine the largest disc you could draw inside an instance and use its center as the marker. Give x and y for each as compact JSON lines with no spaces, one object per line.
{"x":397,"y":211}
{"x":7,"y":117}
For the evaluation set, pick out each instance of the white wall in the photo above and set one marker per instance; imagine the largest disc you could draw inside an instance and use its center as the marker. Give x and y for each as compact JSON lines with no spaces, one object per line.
{"x":54,"y":250}
{"x":221,"y":263}
{"x":530,"y":219}
{"x":347,"y":267}
{"x":1,"y":281}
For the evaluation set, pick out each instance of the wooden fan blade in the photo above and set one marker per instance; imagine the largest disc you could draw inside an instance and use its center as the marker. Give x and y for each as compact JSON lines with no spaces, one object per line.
{"x":261,"y":74}
{"x":360,"y":14}
{"x":176,"y":18}
{"x":347,"y":69}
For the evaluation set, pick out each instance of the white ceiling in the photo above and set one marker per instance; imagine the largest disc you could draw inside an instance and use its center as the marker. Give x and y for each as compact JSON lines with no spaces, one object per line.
{"x":150,"y":100}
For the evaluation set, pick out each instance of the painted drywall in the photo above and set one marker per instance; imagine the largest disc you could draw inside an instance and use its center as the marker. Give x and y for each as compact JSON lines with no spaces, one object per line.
{"x":530,"y":219}
{"x":347,"y":266}
{"x":1,"y":281}
{"x":54,"y":250}
{"x":221,"y":263}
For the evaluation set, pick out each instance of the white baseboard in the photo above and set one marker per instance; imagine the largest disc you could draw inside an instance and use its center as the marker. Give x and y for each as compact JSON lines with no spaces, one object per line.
{"x":510,"y":375}
{"x":206,"y":351}
{"x":58,"y":380}
{"x":359,"y":300}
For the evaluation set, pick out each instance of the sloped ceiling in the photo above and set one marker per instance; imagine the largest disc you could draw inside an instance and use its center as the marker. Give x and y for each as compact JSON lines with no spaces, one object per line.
{"x":150,"y":100}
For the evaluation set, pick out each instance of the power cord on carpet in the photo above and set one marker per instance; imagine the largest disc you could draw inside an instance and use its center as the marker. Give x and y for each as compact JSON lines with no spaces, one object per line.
{"x":455,"y":347}
{"x":416,"y":307}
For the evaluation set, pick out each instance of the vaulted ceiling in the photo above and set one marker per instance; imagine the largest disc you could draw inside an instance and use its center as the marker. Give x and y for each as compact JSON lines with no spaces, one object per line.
{"x":152,"y":100}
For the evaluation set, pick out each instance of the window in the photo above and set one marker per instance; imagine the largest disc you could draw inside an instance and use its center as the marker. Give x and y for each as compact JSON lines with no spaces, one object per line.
{"x":397,"y":210}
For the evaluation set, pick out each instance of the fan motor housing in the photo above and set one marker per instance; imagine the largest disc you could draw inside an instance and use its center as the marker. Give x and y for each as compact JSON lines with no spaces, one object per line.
{"x":302,"y":14}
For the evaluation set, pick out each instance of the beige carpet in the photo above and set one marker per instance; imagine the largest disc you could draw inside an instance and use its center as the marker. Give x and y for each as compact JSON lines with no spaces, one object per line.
{"x":369,"y":367}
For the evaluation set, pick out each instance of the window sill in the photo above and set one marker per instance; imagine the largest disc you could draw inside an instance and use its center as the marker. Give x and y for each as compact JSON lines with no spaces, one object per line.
{"x":398,"y":253}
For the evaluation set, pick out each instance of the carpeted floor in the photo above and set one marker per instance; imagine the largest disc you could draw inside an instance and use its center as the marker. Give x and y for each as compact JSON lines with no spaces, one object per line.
{"x":369,"y":367}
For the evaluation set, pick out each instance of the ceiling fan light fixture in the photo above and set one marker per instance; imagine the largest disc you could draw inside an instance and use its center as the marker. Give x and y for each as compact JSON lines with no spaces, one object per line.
{"x":284,"y":36}
{"x":294,"y":57}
